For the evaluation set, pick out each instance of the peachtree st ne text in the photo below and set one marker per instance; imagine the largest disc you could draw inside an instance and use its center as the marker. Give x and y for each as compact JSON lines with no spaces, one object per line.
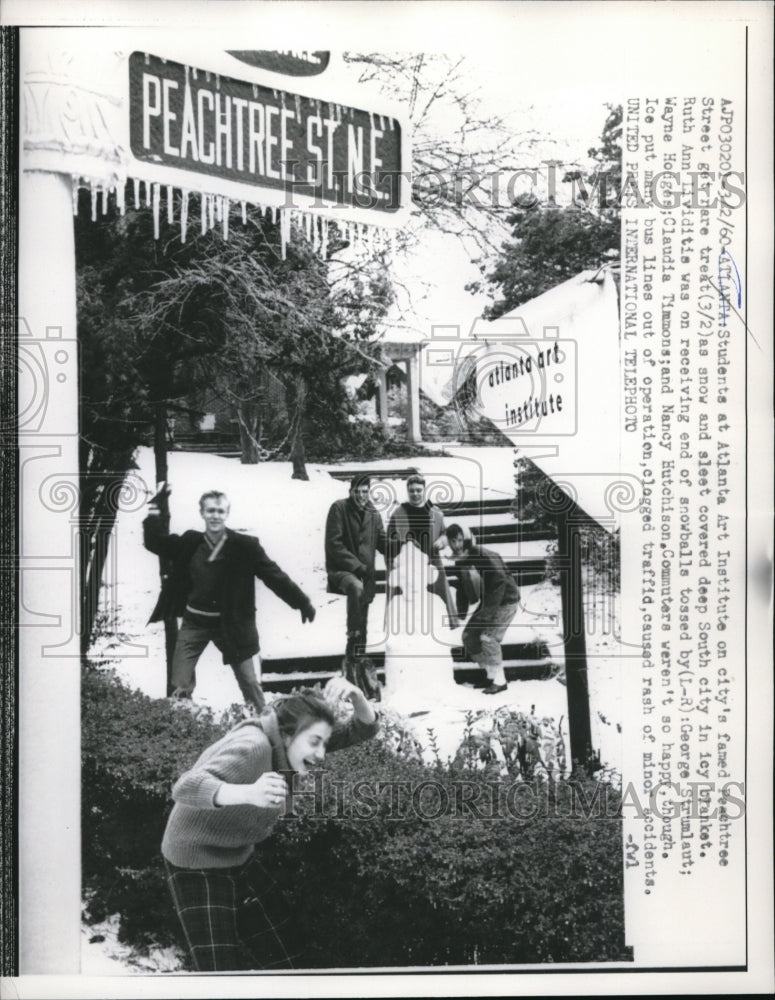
{"x":211,"y":124}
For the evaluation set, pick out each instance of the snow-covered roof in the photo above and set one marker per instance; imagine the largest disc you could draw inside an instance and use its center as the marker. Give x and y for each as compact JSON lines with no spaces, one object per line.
{"x":578,"y":448}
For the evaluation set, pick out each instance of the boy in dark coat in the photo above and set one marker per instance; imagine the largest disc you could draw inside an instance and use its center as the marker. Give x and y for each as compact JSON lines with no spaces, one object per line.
{"x":211,"y":586}
{"x":354,"y":535}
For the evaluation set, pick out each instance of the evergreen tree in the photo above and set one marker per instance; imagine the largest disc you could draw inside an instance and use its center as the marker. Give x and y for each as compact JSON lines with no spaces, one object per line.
{"x":550,"y":242}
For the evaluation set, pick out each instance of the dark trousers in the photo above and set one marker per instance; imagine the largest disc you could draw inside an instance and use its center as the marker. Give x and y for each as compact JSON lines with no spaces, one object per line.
{"x":358,"y":603}
{"x":191,"y":643}
{"x":232,"y":918}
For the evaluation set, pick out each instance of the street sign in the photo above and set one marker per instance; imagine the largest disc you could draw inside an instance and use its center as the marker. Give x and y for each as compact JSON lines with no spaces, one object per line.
{"x":316,"y":154}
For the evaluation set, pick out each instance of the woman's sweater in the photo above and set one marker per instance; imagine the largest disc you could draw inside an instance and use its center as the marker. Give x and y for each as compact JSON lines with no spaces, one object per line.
{"x":200,"y":834}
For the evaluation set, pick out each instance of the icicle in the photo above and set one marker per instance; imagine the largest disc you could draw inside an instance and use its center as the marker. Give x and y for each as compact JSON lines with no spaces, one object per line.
{"x":298,"y":107}
{"x":75,"y":194}
{"x":170,"y":204}
{"x":136,"y":183}
{"x":315,"y":234}
{"x":183,"y":215}
{"x":93,"y":201}
{"x":274,"y":215}
{"x":194,"y":72}
{"x":156,"y":208}
{"x":121,"y":197}
{"x":283,"y":241}
{"x":203,"y":210}
{"x":218,"y":207}
{"x":324,"y":238}
{"x":211,"y":207}
{"x":307,"y":219}
{"x":104,"y":201}
{"x":244,"y":214}
{"x":225,"y":217}
{"x":147,"y":194}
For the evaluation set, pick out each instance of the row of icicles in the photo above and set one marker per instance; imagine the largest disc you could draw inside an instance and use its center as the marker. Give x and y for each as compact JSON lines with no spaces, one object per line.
{"x":216,"y":209}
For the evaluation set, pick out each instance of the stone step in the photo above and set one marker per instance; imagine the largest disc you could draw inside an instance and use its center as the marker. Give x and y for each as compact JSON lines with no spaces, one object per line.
{"x":516,"y":531}
{"x":469,"y":673}
{"x":345,"y":475}
{"x":526,"y":570}
{"x":521,"y":652}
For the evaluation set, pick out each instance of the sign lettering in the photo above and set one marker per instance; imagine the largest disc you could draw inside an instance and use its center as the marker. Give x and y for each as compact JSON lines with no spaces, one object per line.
{"x":206,"y":123}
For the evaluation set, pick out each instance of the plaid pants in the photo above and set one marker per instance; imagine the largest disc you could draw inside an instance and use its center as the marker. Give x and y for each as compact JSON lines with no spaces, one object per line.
{"x":232,"y":918}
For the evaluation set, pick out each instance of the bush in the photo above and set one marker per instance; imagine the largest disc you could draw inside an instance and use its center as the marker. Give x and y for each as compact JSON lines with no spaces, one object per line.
{"x":372,"y":880}
{"x":362,"y":441}
{"x":461,"y":889}
{"x":133,"y":748}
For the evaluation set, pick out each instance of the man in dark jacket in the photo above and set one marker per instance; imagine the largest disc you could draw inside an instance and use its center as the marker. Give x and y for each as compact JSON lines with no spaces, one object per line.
{"x":354,"y":534}
{"x":484,"y":570}
{"x":211,"y":586}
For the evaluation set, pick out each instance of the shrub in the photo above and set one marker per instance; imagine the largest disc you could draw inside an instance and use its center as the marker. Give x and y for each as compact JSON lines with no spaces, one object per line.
{"x":372,"y":880}
{"x":133,"y":748}
{"x":362,"y":441}
{"x":494,"y":888}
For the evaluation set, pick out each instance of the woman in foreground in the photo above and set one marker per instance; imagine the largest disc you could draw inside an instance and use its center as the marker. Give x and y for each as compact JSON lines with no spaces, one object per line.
{"x":228,"y":802}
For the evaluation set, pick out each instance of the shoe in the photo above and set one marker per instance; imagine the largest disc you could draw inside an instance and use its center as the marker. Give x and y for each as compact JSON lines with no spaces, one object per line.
{"x":495,"y":688}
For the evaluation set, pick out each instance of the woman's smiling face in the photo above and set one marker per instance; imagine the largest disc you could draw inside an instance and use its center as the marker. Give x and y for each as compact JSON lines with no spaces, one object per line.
{"x":306,"y":751}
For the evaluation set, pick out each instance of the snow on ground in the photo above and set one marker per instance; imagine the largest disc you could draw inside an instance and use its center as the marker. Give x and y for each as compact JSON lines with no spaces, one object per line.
{"x":289,"y":518}
{"x":102,"y":954}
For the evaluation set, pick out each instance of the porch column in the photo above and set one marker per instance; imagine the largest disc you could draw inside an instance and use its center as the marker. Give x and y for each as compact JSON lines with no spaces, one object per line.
{"x":414,"y":433}
{"x":49,"y":645}
{"x":382,"y":398}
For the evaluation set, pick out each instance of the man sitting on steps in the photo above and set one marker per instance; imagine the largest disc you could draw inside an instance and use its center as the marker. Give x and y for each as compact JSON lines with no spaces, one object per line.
{"x":354,"y":534}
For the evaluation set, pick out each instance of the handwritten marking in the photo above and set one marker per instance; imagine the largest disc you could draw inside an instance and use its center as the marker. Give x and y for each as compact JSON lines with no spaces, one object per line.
{"x":736,"y":280}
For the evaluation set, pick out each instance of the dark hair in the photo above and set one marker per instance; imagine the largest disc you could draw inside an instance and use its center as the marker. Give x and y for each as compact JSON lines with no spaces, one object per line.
{"x":359,"y":479}
{"x":297,"y":712}
{"x":416,"y":478}
{"x":455,"y":531}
